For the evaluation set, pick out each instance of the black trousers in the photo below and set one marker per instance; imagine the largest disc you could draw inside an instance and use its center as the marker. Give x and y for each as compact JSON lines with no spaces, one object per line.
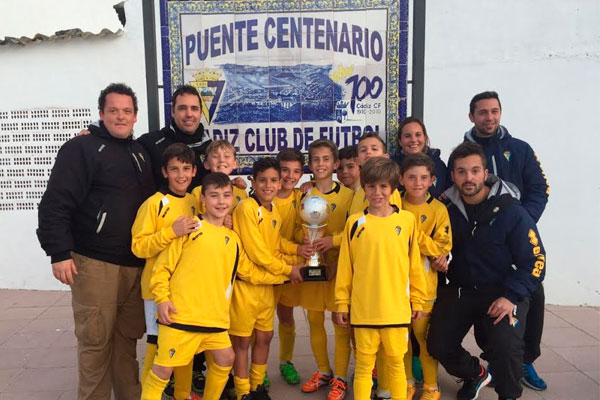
{"x":453,"y":315}
{"x":533,"y":331}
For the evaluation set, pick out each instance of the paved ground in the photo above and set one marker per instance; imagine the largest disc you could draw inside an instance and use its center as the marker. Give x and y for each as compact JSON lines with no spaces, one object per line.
{"x":38,"y":358}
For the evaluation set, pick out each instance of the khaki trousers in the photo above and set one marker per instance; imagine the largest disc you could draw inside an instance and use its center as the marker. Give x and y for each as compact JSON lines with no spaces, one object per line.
{"x":109,"y":318}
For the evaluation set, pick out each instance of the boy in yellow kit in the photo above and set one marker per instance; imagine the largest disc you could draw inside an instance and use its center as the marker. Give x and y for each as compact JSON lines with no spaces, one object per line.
{"x":193,"y":293}
{"x":316,"y":297}
{"x":380,"y":274}
{"x":258,"y":224}
{"x":220,"y":157}
{"x":287,"y":201}
{"x":371,"y":145}
{"x":165,"y":216}
{"x":435,"y":242}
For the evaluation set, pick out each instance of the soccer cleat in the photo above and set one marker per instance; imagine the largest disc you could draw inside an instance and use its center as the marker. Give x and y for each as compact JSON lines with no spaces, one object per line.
{"x":229,"y":390}
{"x":417,"y":369}
{"x":169,"y":391}
{"x":266,"y":381}
{"x":430,"y":393}
{"x":531,"y":379}
{"x":471,"y":387}
{"x":289,"y":373}
{"x":338,"y":390}
{"x":198,"y":382}
{"x":410,"y":391}
{"x":194,"y":396}
{"x":261,"y":393}
{"x":317,"y":380}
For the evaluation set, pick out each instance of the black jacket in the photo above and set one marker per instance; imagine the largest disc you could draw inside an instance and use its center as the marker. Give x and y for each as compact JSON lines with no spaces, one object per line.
{"x":498,"y":250}
{"x":156,"y":142}
{"x":96,"y":186}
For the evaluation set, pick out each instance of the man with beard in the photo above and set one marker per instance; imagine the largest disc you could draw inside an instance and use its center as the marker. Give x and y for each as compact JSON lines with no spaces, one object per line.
{"x":498,"y":262}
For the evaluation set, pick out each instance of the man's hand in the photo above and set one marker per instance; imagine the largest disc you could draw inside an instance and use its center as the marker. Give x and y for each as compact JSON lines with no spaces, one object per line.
{"x":164,"y":309}
{"x":418,"y":315}
{"x":324,"y":244}
{"x":239,"y":182}
{"x":228,"y":221}
{"x":305,"y":250}
{"x":184,"y":225}
{"x":341,"y":319}
{"x":64,"y":270}
{"x":306,"y":186}
{"x":295,"y":275}
{"x":501,"y":308}
{"x":439,"y":264}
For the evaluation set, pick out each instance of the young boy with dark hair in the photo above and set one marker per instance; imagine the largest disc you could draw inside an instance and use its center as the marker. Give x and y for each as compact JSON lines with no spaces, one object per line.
{"x":348,"y":172}
{"x":258,"y":224}
{"x":317,"y":296}
{"x":193,"y":293}
{"x":381,"y":275}
{"x":287,"y":201}
{"x":165,"y":216}
{"x":435,"y":242}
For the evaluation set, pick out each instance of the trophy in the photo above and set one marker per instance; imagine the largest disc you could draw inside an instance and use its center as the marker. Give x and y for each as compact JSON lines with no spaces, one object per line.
{"x":314,"y":210}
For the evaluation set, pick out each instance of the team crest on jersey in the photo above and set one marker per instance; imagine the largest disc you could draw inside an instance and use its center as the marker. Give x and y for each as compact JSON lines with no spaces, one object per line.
{"x":423,"y":218}
{"x":333,"y":206}
{"x":398,"y":230}
{"x":507,"y":155}
{"x":171,"y":353}
{"x":226,"y":239}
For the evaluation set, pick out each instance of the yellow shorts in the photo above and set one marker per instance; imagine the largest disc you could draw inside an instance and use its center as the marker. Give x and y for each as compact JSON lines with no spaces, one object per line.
{"x":252,"y":307}
{"x":288,"y":294}
{"x":394,"y":340}
{"x":318,"y":296}
{"x":177,"y":348}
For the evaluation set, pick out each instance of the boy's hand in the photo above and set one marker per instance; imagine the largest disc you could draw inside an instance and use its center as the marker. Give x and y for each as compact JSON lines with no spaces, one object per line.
{"x":439,"y":264}
{"x":64,"y":270}
{"x":501,"y":308}
{"x":306,"y":186}
{"x":228,"y":221}
{"x":305,"y":250}
{"x":239,"y":182}
{"x":164,"y":309}
{"x":184,"y":225}
{"x":295,"y":275}
{"x":324,"y":244}
{"x":341,"y":319}
{"x":418,"y":315}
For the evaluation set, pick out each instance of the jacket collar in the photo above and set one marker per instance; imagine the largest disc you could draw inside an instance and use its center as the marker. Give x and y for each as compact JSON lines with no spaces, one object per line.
{"x":196,"y":139}
{"x":502,"y":133}
{"x":97,"y":128}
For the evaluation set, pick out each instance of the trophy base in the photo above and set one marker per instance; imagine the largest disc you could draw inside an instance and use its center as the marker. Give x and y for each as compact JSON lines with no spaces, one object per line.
{"x":314,"y":273}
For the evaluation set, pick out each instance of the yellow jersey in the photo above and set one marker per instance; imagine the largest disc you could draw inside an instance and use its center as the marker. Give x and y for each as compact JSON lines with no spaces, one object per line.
{"x":288,"y":209}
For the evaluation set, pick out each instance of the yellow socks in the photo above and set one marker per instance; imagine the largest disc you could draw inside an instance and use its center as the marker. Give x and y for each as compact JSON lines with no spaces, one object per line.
{"x":287,"y":338}
{"x":341,"y":351}
{"x":153,"y":387}
{"x":318,"y":340}
{"x":362,"y":375}
{"x":148,"y":361}
{"x":383,"y":384}
{"x":183,"y":381}
{"x":257,"y":375}
{"x":429,"y":364}
{"x":216,"y":379}
{"x":242,"y":386}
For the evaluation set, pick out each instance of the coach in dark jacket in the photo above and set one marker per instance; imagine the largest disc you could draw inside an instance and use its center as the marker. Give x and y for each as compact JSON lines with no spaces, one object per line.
{"x":85,"y":216}
{"x":498,"y":261}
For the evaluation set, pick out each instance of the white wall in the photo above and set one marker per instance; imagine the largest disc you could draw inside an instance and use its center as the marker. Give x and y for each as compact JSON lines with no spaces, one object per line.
{"x":543,"y":58}
{"x":62,"y":74}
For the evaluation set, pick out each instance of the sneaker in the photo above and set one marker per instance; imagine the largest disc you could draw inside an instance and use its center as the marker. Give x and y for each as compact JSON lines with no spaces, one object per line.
{"x":417,"y":369}
{"x":317,"y":380}
{"x":531,"y":379}
{"x":410,"y":391}
{"x":169,"y":391}
{"x":289,"y":373}
{"x":493,"y":380}
{"x":338,"y":390}
{"x":261,"y":393}
{"x":430,"y":393}
{"x":471,"y":387}
{"x":198,"y":382}
{"x":266,"y":381}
